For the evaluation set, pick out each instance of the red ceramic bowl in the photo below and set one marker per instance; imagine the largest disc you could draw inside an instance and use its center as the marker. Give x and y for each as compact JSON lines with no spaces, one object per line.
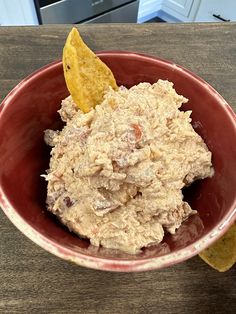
{"x":32,"y":107}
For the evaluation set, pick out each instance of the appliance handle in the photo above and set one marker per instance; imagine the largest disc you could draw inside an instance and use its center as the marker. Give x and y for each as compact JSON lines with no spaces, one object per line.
{"x":217,"y":16}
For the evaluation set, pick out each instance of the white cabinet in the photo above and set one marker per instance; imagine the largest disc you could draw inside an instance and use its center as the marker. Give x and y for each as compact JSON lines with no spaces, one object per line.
{"x":198,"y":10}
{"x":17,"y":12}
{"x":179,"y":10}
{"x":148,"y":9}
{"x":216,"y":11}
{"x":181,"y":6}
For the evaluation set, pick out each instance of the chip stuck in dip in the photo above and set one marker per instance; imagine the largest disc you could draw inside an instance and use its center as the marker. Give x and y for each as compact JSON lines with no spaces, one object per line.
{"x":119,"y":165}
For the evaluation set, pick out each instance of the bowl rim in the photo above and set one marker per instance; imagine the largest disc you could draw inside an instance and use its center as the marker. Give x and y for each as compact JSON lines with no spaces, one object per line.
{"x":115,"y":264}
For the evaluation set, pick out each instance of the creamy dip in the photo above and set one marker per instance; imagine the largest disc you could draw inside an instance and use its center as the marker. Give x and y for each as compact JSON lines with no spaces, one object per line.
{"x":116,"y":173}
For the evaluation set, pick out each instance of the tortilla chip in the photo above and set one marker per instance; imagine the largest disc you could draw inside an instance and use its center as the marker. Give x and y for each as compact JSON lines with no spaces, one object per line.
{"x":87,"y":77}
{"x":222,"y":254}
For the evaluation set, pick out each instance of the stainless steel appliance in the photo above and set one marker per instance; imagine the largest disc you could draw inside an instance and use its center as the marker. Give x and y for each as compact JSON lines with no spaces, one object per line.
{"x":86,"y":11}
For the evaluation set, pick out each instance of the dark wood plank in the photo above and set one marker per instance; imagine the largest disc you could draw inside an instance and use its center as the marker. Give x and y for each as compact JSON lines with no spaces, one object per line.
{"x":34,"y":281}
{"x":207,"y":49}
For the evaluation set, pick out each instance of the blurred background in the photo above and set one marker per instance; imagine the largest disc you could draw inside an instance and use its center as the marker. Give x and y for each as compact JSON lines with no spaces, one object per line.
{"x":35,"y":12}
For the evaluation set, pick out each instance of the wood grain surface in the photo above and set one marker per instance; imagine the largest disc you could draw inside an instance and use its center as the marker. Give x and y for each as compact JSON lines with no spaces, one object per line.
{"x":34,"y":281}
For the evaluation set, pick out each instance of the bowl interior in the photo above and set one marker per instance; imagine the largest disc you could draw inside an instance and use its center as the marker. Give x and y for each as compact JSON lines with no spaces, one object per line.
{"x":32,"y":108}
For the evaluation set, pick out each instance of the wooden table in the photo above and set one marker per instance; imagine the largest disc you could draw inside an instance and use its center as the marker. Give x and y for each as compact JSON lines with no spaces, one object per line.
{"x":34,"y":281}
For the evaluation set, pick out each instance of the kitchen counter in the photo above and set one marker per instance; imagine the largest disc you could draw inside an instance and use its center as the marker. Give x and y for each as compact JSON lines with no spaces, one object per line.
{"x":34,"y":281}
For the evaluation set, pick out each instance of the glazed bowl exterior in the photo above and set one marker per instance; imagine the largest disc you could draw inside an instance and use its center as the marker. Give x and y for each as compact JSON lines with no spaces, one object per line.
{"x":31,"y":107}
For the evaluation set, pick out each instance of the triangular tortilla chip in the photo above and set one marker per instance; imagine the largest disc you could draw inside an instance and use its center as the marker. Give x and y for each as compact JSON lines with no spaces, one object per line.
{"x":87,"y":77}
